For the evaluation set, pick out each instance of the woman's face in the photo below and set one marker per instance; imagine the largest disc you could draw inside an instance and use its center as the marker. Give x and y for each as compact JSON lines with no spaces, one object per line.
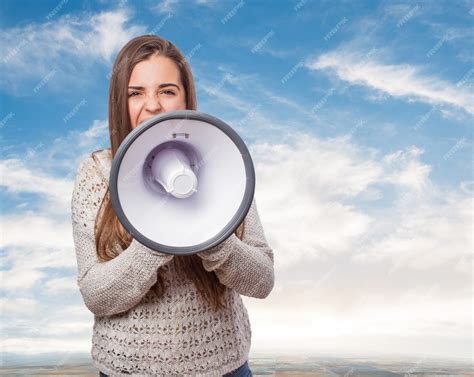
{"x":155,"y":87}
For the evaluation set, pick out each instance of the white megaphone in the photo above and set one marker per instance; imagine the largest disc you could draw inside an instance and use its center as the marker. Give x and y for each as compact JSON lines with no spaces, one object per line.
{"x":182,"y":182}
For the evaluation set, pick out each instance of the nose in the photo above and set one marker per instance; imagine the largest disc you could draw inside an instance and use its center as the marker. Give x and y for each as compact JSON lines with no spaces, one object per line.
{"x":153,"y":104}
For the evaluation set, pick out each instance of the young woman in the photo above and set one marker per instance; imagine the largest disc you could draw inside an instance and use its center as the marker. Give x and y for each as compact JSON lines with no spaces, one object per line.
{"x":157,"y":314}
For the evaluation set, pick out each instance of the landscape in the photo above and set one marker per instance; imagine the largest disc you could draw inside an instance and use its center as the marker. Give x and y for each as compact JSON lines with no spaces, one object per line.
{"x":265,"y":365}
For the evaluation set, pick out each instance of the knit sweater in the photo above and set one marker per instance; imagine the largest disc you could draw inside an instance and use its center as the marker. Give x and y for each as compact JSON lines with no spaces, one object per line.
{"x":136,"y":332}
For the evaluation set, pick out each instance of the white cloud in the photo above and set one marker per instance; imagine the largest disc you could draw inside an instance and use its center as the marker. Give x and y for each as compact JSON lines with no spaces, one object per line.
{"x":37,"y":236}
{"x":411,"y":326}
{"x":55,"y":52}
{"x":311,"y":179}
{"x":307,"y":189}
{"x":300,"y":190}
{"x":41,"y":231}
{"x":165,"y":6}
{"x":244,"y":104}
{"x":20,"y":278}
{"x":356,"y":265}
{"x":19,"y":178}
{"x":398,"y":80}
{"x":61,"y":285}
{"x":24,"y":268}
{"x":38,"y":345}
{"x":427,"y":236}
{"x":68,"y":328}
{"x":47,"y":243}
{"x":65,"y":152}
{"x":99,"y":129}
{"x":28,"y":323}
{"x":18,"y":306}
{"x":111,"y":32}
{"x":407,"y":170}
{"x":171,"y":6}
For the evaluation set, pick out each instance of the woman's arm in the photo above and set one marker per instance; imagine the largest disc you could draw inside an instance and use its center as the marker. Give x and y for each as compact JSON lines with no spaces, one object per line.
{"x":119,"y":284}
{"x":245,"y":265}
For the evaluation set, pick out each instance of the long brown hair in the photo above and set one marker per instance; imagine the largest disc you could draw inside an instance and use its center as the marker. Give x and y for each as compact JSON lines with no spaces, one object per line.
{"x":110,"y":233}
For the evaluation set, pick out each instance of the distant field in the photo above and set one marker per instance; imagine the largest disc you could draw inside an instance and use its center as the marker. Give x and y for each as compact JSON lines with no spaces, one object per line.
{"x":289,"y":366}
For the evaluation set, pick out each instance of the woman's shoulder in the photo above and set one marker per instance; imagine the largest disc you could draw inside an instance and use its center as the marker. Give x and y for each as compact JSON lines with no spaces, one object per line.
{"x":102,"y":160}
{"x":101,"y":154}
{"x":95,"y":162}
{"x":89,"y":185}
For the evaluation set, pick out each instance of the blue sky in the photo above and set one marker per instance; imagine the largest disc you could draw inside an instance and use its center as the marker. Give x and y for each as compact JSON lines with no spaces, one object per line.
{"x":358,"y":116}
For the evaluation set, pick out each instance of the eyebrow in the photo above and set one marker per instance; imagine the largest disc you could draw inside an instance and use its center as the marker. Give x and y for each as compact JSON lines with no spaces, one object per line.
{"x":159,"y":86}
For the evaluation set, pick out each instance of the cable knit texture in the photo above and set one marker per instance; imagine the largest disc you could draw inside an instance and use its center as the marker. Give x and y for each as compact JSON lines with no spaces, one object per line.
{"x":137,"y":333}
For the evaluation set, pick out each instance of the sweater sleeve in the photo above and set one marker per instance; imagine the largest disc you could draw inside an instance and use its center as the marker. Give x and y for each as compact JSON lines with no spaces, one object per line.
{"x":117,"y":285}
{"x":245,"y":265}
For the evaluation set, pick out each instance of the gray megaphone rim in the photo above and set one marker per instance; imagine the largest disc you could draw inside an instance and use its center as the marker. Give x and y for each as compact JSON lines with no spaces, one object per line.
{"x":236,"y":219}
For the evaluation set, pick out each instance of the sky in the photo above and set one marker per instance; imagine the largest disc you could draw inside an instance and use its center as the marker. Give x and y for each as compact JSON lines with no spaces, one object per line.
{"x":359,"y":120}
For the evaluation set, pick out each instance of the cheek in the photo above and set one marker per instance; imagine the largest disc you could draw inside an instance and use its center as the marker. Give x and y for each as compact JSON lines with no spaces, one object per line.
{"x":133,"y":109}
{"x":176,"y":103}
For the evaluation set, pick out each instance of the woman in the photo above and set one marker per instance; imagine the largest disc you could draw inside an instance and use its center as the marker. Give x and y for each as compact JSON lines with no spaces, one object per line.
{"x":157,"y":314}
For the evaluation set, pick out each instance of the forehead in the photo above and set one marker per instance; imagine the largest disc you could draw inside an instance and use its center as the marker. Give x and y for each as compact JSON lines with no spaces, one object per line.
{"x":154,"y":71}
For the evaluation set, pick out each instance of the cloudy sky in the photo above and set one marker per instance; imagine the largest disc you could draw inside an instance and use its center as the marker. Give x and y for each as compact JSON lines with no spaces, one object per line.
{"x":359,"y":118}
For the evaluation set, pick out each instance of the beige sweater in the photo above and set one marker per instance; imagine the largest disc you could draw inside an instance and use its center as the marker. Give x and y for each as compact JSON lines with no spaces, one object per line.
{"x":135,"y":332}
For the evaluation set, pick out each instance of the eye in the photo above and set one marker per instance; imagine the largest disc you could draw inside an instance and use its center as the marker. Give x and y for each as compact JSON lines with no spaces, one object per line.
{"x":169,"y":92}
{"x":131,"y":94}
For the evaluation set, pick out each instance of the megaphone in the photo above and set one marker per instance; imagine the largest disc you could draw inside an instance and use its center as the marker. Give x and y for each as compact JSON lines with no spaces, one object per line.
{"x":182,"y":182}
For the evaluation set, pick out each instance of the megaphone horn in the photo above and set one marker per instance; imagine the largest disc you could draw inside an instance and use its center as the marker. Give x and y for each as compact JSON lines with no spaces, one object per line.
{"x":182,"y":192}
